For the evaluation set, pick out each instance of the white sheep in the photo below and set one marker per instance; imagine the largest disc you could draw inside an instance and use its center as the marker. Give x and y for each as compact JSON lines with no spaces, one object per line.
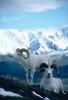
{"x":50,"y":83}
{"x":30,"y":62}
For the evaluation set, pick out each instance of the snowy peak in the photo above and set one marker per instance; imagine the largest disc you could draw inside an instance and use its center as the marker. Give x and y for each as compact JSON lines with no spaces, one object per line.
{"x":39,"y":40}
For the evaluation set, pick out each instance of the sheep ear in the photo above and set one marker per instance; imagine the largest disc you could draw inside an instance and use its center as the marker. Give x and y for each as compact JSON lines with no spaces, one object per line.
{"x":53,"y":66}
{"x":43,"y":65}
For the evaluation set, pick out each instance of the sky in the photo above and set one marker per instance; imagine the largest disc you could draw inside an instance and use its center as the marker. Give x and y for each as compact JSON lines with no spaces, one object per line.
{"x":33,"y":14}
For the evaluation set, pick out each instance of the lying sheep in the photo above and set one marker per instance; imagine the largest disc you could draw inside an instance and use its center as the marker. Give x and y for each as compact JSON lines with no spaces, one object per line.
{"x":50,"y":83}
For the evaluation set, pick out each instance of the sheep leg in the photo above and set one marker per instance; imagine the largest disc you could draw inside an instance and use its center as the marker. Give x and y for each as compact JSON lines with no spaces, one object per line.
{"x":29,"y":76}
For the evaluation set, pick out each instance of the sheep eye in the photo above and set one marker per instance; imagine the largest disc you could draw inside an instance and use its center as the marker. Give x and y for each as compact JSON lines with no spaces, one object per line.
{"x":42,"y":70}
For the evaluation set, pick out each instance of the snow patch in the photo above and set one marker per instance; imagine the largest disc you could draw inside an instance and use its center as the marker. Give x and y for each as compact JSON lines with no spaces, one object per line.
{"x":3,"y":92}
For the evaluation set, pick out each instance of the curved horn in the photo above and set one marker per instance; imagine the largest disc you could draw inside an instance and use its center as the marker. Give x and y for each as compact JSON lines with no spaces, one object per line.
{"x":20,"y":51}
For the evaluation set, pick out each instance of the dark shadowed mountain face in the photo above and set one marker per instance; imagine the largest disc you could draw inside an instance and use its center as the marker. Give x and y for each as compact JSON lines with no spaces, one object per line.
{"x":12,"y":69}
{"x":16,"y":70}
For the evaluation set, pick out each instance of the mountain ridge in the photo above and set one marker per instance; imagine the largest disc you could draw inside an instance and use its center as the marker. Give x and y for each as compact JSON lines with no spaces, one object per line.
{"x":40,"y":40}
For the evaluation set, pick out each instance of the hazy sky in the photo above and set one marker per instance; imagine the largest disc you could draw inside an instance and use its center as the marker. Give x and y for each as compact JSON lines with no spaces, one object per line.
{"x":30,"y":14}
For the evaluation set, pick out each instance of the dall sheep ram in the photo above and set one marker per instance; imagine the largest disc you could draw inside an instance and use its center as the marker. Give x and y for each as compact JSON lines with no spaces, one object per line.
{"x":30,"y":62}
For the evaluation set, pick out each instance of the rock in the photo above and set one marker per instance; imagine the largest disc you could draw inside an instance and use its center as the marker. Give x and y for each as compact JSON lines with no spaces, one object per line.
{"x":29,"y":92}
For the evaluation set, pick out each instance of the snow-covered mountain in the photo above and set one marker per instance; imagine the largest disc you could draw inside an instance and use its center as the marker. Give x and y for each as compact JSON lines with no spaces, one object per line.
{"x":39,"y":40}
